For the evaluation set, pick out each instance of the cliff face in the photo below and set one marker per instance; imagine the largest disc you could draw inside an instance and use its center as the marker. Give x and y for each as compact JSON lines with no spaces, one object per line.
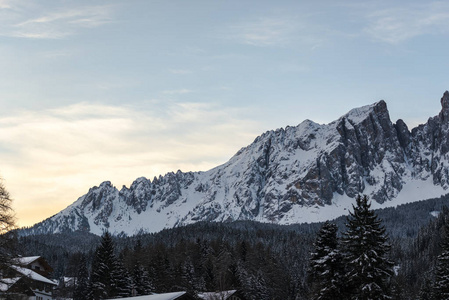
{"x":277,"y":178}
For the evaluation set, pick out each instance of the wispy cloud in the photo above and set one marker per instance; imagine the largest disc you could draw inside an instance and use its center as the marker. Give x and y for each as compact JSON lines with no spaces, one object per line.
{"x":397,"y":24}
{"x":180,"y":71}
{"x":5,"y":4}
{"x":263,"y":32}
{"x":177,"y":92}
{"x":276,"y":32}
{"x":51,"y":23}
{"x":50,"y":157}
{"x":114,"y":83}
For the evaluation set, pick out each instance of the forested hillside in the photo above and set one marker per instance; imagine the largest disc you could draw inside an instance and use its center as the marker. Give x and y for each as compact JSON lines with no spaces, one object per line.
{"x":265,"y":260}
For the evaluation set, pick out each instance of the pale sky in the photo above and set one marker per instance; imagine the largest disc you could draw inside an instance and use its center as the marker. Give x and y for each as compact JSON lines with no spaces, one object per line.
{"x":114,"y":90}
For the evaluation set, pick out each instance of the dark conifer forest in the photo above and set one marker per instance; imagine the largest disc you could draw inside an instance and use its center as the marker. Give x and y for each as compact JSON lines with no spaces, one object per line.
{"x":264,"y":261}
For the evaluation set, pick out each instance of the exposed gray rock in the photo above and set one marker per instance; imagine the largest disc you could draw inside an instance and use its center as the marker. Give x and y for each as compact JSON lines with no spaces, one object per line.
{"x":301,"y":166}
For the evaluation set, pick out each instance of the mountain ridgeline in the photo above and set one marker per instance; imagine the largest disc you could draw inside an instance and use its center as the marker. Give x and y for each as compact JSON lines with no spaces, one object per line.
{"x":306,"y":173}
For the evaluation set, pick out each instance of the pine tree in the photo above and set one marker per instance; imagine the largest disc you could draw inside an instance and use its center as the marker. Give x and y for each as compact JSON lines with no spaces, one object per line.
{"x":161,"y":271}
{"x":222,"y":267}
{"x":102,"y":268}
{"x":259,"y":287}
{"x":121,"y":281}
{"x":141,"y":281}
{"x":426,"y":291}
{"x":368,"y":270}
{"x":188,"y":276}
{"x":441,"y":285}
{"x":82,"y":281}
{"x":326,"y":266}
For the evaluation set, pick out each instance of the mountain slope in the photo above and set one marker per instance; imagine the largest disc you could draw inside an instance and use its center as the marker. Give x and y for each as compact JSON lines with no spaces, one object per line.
{"x":305,"y":173}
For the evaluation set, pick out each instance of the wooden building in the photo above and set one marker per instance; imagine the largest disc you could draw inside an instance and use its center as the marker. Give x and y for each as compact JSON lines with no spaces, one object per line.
{"x":165,"y":296}
{"x":27,"y":280}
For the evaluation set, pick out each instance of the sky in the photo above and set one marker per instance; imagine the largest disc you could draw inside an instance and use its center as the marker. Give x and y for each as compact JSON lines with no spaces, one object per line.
{"x":94,"y":91}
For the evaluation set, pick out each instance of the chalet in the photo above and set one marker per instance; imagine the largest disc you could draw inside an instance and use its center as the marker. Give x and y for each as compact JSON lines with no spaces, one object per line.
{"x":223,"y":295}
{"x":36,"y":263}
{"x":27,"y":279}
{"x":166,"y":296}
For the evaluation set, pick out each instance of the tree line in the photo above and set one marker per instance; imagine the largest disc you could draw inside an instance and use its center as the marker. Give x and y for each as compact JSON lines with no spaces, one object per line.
{"x":265,"y":261}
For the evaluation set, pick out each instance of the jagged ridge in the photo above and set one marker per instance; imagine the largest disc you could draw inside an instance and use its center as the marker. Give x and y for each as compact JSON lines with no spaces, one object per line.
{"x":285,"y":176}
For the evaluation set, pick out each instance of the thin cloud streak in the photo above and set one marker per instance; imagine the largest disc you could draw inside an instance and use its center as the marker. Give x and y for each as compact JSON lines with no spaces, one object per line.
{"x":283,"y":31}
{"x":177,"y":92}
{"x":180,"y":71}
{"x":19,"y":21}
{"x":51,"y":155}
{"x":399,"y":24}
{"x":5,"y":4}
{"x":263,"y":32}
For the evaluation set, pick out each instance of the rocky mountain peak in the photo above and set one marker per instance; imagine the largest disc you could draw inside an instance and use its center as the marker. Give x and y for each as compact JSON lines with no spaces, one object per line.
{"x":377,"y":110}
{"x":139,"y":181}
{"x":380,"y":108}
{"x":305,"y":173}
{"x":105,"y":184}
{"x":444,"y":114}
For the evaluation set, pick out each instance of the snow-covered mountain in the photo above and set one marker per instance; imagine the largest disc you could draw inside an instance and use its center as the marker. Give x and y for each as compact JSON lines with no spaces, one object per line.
{"x":305,"y":173}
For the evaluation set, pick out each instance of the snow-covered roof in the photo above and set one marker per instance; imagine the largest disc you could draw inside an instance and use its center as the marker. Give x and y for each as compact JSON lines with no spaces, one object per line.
{"x":26,"y":260}
{"x":6,"y":283}
{"x":216,"y":295}
{"x":32,"y":275}
{"x":68,"y":281}
{"x":166,"y":296}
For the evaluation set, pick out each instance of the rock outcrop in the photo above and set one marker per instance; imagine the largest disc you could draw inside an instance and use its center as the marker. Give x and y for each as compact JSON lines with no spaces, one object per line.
{"x":282,"y":173}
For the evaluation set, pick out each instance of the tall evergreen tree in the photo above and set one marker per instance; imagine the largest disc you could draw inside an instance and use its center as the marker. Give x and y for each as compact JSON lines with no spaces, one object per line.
{"x":426,"y":291}
{"x":368,"y":270}
{"x":141,"y":281}
{"x":82,"y":281}
{"x":326,"y":268}
{"x":121,"y":281}
{"x":102,"y":266}
{"x":259,"y":286}
{"x":441,"y":285}
{"x":107,"y":276}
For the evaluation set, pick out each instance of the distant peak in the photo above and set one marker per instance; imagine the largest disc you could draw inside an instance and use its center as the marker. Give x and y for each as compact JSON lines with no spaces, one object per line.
{"x":308,"y":124}
{"x":105,"y":184}
{"x":380,"y":107}
{"x":359,"y":114}
{"x":138,"y":181}
{"x":444,"y":114}
{"x":380,"y":104}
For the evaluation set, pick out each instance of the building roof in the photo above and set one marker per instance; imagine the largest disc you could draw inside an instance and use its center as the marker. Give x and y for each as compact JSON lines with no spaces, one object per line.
{"x":32,"y":275}
{"x":26,"y":260}
{"x":166,"y":296}
{"x":6,"y":283}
